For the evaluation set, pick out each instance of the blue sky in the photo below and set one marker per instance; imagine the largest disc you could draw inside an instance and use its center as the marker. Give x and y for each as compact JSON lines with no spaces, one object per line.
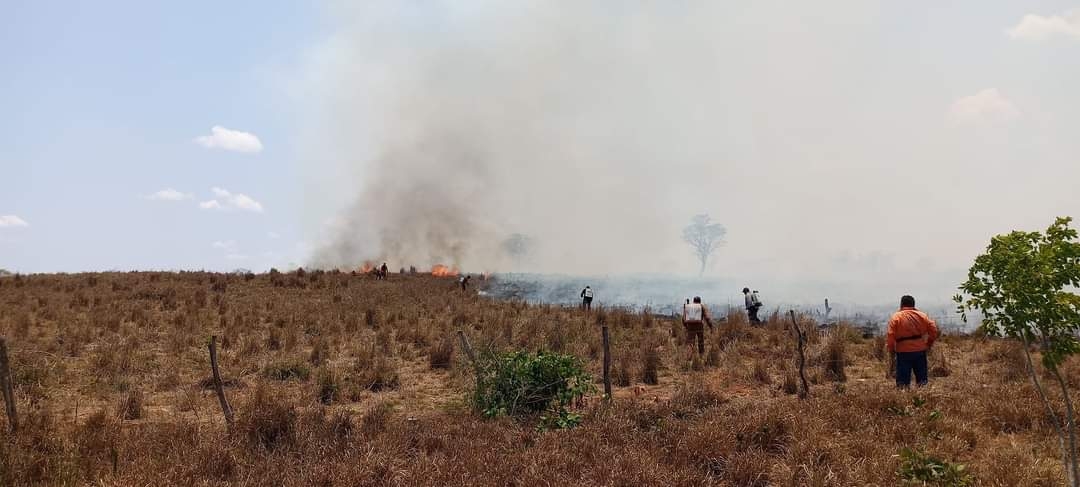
{"x":102,"y":103}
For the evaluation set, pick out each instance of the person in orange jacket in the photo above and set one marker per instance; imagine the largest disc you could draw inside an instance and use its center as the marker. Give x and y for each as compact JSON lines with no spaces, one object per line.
{"x":910,"y":336}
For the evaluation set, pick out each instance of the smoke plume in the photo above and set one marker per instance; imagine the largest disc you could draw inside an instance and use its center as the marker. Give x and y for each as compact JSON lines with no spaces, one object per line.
{"x":597,"y":130}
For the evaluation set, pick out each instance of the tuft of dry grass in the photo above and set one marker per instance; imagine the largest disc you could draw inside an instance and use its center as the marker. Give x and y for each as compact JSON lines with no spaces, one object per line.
{"x":835,"y":360}
{"x":440,"y":354}
{"x":650,"y":368}
{"x":131,"y":405}
{"x":267,"y":422}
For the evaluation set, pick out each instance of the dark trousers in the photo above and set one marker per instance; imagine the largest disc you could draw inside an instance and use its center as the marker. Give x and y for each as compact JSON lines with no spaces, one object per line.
{"x":908,"y":362}
{"x":753,"y":314}
{"x":586,"y":303}
{"x":696,"y":331}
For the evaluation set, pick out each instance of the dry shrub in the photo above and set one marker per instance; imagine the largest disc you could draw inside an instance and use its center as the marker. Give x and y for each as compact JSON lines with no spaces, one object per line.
{"x":1012,"y":464}
{"x":834,"y":358}
{"x":273,"y":340}
{"x":215,"y":462}
{"x":622,"y":373}
{"x":693,"y":398}
{"x":761,"y":373}
{"x":1008,"y":416}
{"x":732,"y":332}
{"x":748,"y":469}
{"x":384,"y":339}
{"x":131,"y":405}
{"x":650,"y":369}
{"x":939,"y":363}
{"x":287,"y":370}
{"x":320,"y":353}
{"x":712,"y":356}
{"x":375,"y":419}
{"x":330,"y":387}
{"x":323,"y":428}
{"x":440,"y":354}
{"x":377,"y":376}
{"x":96,"y":442}
{"x":1009,"y":354}
{"x":880,"y":352}
{"x":765,"y":428}
{"x":266,"y":421}
{"x":791,"y":382}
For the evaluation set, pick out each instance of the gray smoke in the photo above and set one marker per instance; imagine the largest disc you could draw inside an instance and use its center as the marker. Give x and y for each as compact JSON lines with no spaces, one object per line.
{"x":586,"y":131}
{"x":814,"y":132}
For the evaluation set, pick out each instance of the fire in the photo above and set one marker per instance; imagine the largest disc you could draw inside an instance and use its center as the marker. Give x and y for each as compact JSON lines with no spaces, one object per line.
{"x":440,"y":270}
{"x":367,"y":267}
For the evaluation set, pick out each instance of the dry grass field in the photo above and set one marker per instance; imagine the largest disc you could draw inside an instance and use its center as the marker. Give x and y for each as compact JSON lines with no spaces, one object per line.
{"x":339,"y":379}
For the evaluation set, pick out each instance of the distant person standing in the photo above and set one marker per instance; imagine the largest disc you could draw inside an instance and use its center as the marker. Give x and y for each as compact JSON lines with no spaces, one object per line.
{"x":586,"y":298}
{"x":753,"y":304}
{"x":694,"y":318}
{"x":383,"y":271}
{"x":464,"y":280}
{"x":911,"y":334}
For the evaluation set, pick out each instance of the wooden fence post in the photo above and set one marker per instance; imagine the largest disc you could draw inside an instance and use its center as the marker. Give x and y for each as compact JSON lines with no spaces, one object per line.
{"x":9,"y":391}
{"x":607,"y":365}
{"x":805,"y":391}
{"x":225,"y":408}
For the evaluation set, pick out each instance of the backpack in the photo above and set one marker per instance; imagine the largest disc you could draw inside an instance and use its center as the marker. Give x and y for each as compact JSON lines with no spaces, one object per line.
{"x":588,"y":293}
{"x":754,"y":299}
{"x":692,"y":313}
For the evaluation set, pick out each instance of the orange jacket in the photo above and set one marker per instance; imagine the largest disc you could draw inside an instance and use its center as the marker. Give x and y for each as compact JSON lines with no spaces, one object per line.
{"x":911,"y":330}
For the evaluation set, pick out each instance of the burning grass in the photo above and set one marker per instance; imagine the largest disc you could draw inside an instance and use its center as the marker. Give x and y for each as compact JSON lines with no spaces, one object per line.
{"x":338,"y":379}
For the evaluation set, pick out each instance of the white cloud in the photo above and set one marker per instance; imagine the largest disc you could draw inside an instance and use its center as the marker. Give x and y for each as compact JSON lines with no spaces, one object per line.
{"x":229,"y":245}
{"x":988,"y":105}
{"x":231,"y":201}
{"x":1038,"y":28}
{"x":230,"y":140}
{"x":169,"y":194}
{"x":273,"y":235}
{"x":12,"y":221}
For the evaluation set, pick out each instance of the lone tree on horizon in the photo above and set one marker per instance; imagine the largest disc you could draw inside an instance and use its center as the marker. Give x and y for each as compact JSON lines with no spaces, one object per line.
{"x":704,"y":238}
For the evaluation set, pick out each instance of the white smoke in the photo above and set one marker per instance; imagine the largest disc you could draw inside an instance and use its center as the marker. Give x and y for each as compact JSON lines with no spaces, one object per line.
{"x":599,"y":129}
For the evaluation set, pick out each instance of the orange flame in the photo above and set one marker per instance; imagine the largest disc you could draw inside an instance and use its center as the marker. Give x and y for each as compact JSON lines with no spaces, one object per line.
{"x":367,"y":267}
{"x":439,"y":270}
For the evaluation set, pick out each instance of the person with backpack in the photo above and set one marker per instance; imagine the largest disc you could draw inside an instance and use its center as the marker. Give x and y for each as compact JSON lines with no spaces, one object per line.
{"x":586,"y":298}
{"x":695,"y":317}
{"x":753,"y":304}
{"x":910,"y":336}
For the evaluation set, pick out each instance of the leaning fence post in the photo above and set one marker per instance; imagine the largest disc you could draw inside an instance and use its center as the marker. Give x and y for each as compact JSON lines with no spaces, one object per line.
{"x":802,"y":356}
{"x":466,"y":346}
{"x":607,"y":365}
{"x":9,"y":392}
{"x":225,"y":408}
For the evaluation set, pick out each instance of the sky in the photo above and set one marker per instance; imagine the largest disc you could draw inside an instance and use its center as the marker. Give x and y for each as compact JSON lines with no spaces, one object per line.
{"x":862,"y":146}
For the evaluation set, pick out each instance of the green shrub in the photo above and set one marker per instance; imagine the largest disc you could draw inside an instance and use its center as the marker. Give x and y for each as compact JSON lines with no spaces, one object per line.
{"x":918,"y":468}
{"x":521,"y":383}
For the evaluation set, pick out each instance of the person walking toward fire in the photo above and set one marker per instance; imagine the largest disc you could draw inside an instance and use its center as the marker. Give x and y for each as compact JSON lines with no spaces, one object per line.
{"x":753,"y":304}
{"x":695,"y":317}
{"x":586,"y":298}
{"x":910,"y":336}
